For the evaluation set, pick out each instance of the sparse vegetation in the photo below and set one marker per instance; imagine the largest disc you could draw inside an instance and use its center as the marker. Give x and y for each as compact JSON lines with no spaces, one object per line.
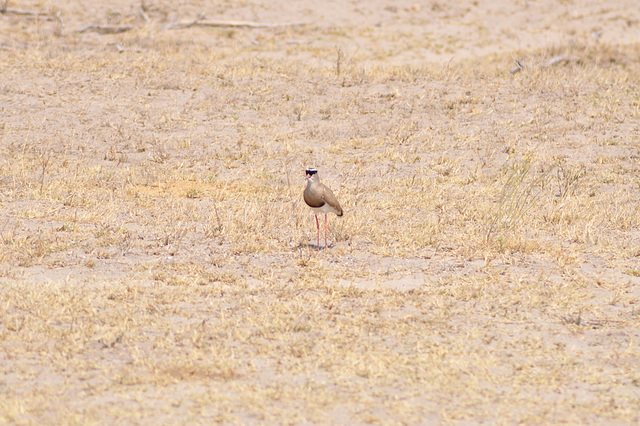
{"x":157,"y":262}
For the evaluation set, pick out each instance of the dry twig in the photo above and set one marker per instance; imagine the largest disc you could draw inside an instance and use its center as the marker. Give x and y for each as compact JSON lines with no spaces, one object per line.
{"x":181,"y":25}
{"x":553,"y":61}
{"x":143,"y":11}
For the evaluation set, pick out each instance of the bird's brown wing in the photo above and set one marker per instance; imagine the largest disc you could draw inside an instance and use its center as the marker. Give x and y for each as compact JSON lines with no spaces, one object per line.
{"x":331,"y":199}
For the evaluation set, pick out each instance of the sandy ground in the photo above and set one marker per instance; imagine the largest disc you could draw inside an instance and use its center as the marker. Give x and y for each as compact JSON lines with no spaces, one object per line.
{"x":158,"y":265}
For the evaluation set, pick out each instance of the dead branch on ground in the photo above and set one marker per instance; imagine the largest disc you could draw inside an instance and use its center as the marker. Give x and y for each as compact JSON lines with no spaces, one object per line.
{"x":202,"y":22}
{"x":21,"y":12}
{"x":105,"y":29}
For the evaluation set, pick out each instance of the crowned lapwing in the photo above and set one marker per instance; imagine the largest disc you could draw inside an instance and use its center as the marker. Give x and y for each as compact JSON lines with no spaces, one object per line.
{"x":321,"y":200}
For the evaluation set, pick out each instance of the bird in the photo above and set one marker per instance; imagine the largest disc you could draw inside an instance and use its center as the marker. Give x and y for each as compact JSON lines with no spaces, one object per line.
{"x":321,"y":200}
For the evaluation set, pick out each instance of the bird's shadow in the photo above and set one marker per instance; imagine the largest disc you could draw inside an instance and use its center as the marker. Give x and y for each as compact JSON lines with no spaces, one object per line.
{"x":314,"y":247}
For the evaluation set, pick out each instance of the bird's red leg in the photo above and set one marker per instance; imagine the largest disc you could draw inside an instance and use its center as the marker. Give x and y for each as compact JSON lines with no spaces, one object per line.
{"x":318,"y":226}
{"x":325,"y":231}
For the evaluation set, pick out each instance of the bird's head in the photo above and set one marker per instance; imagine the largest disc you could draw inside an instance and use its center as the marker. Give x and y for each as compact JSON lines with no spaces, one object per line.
{"x":311,"y":173}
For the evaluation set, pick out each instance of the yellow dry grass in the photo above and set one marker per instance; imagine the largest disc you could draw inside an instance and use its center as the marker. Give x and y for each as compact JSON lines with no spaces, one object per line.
{"x":158,"y":264}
